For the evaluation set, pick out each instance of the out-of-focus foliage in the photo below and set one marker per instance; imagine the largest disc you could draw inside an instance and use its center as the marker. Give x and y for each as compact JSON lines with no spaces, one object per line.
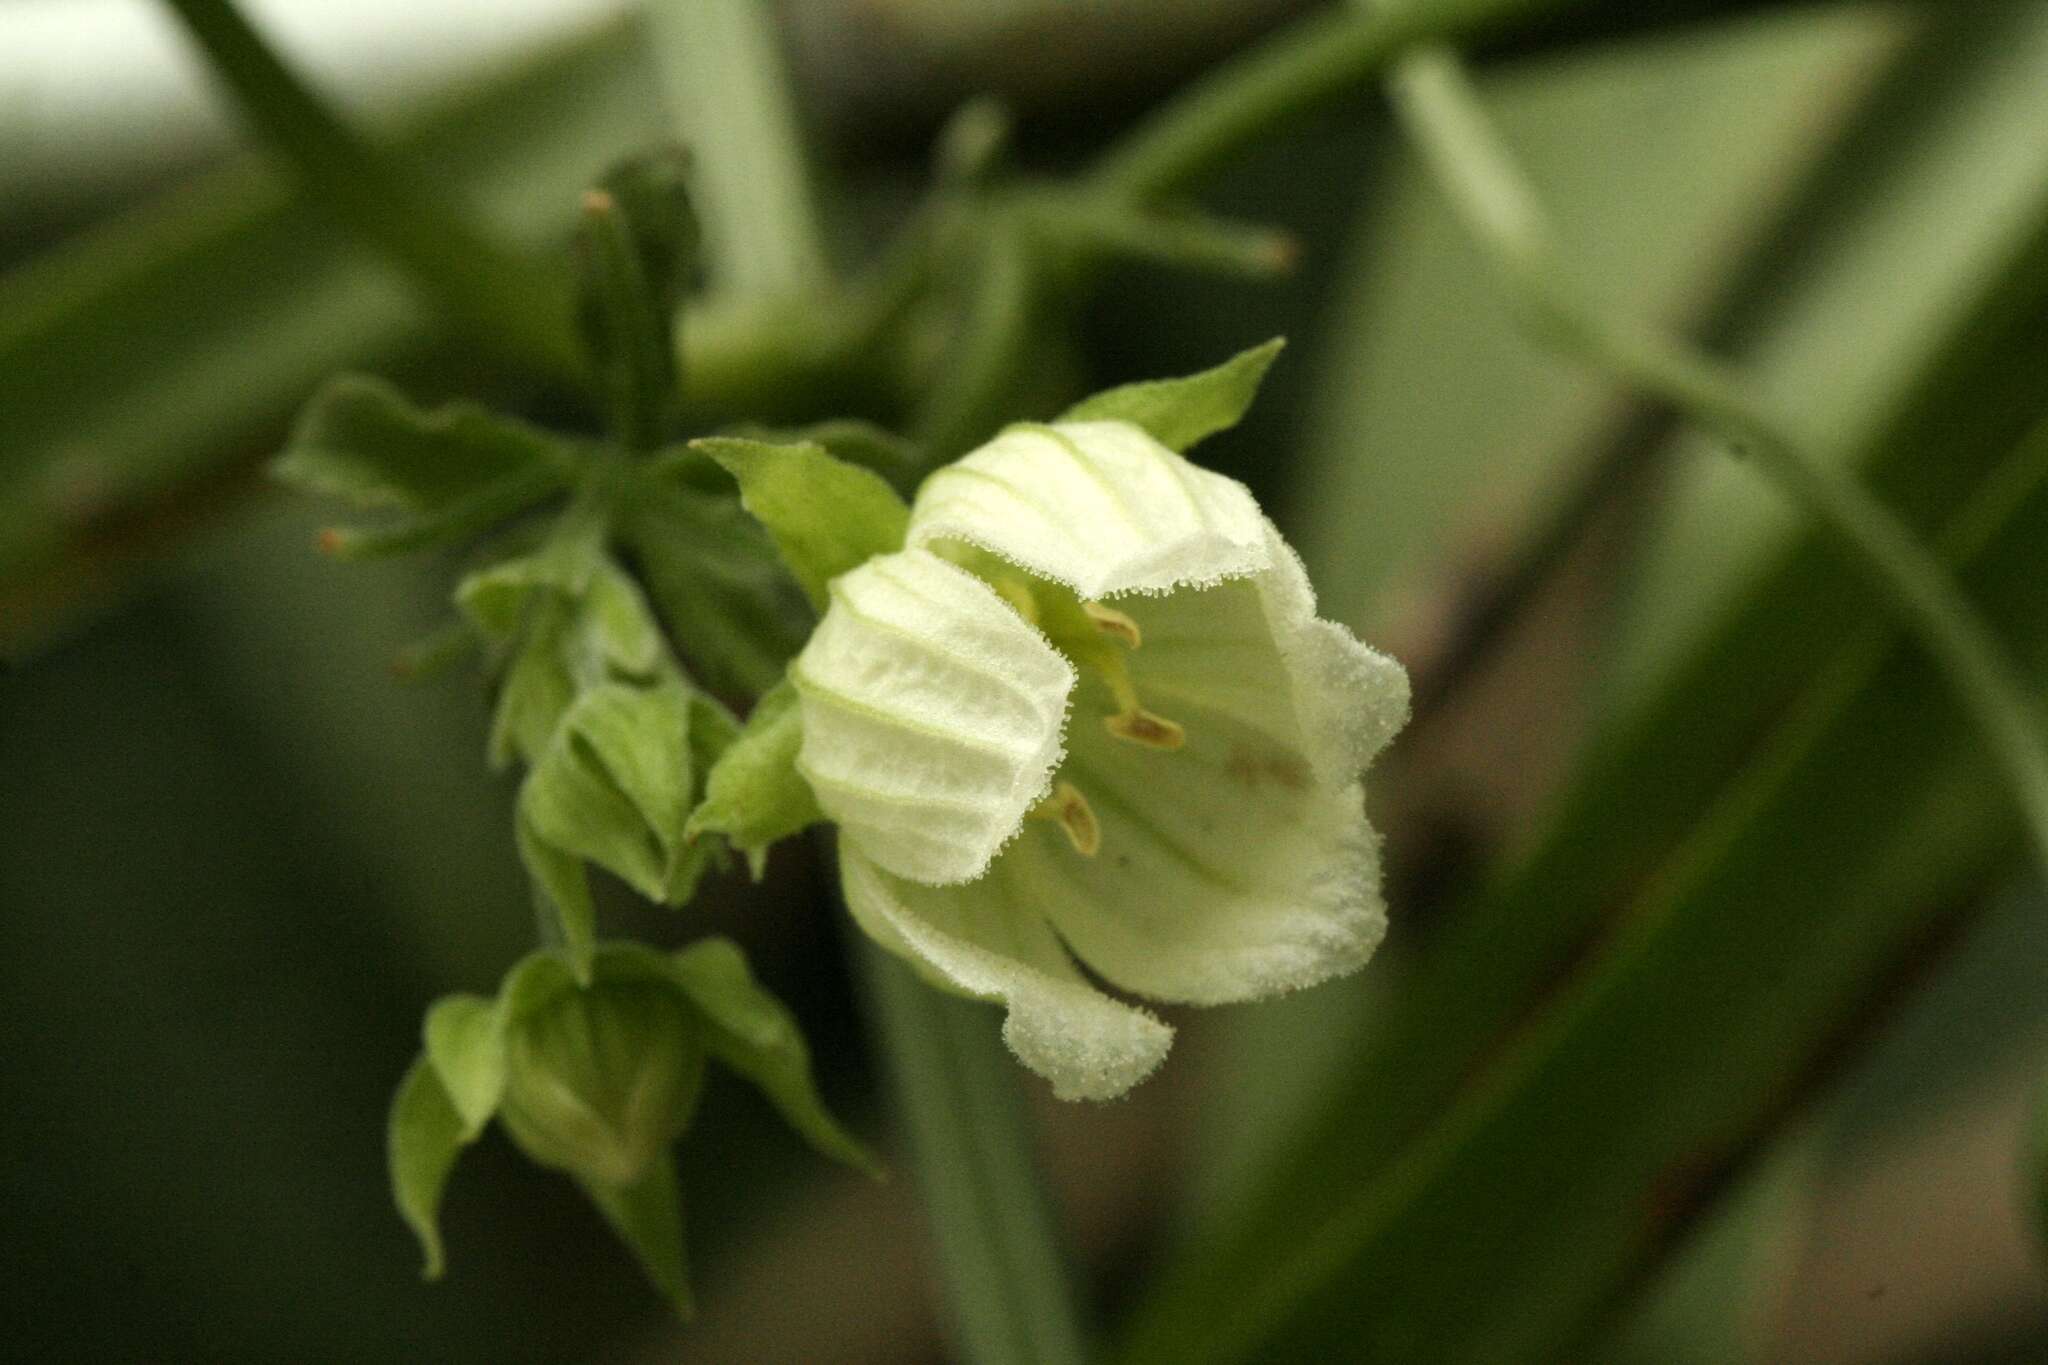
{"x":236,"y":861}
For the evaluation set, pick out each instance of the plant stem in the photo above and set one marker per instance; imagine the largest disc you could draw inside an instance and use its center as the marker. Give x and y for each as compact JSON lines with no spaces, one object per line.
{"x":958,"y":1090}
{"x":510,"y":302}
{"x":1441,"y":113}
{"x":729,"y":98}
{"x":1287,"y":75}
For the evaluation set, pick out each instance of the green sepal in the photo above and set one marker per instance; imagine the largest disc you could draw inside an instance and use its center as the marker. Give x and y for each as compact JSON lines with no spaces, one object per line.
{"x":753,"y":1033}
{"x":652,"y":190}
{"x":454,"y":472}
{"x":601,"y":1077}
{"x":534,"y":981}
{"x":467,"y":1051}
{"x":754,"y":795}
{"x":628,"y":325}
{"x":647,"y":1216}
{"x":826,"y":516}
{"x":572,"y":619}
{"x":561,"y":888}
{"x":1180,"y":412}
{"x":424,"y":1136}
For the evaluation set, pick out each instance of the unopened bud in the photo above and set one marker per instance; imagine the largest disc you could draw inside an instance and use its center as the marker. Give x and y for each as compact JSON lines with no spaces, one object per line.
{"x":601,"y":1079}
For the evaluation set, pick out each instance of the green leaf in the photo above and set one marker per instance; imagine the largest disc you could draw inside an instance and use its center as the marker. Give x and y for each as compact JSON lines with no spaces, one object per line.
{"x":827,"y":516}
{"x":648,"y":1218}
{"x":1180,"y":412}
{"x":361,"y":440}
{"x":1830,"y":858}
{"x":755,"y":1034}
{"x":424,"y":1137}
{"x":468,"y":1055}
{"x":712,"y":576}
{"x":898,"y":459}
{"x":754,"y":795}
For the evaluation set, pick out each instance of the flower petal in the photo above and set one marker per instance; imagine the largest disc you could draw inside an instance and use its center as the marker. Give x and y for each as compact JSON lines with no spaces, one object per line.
{"x":990,"y":941}
{"x":932,"y":715}
{"x":1226,"y":869}
{"x":1254,"y":649}
{"x":1099,"y":506}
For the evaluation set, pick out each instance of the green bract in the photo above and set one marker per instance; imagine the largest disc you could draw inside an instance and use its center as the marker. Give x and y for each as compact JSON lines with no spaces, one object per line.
{"x":1088,"y":711}
{"x":596,"y":1079}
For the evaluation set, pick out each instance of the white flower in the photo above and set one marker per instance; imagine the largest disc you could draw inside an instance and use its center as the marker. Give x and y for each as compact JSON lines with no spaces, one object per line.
{"x":1088,"y":712}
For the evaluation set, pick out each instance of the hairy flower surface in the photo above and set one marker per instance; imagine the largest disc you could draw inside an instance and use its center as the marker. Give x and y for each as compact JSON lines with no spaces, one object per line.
{"x":1088,"y":712}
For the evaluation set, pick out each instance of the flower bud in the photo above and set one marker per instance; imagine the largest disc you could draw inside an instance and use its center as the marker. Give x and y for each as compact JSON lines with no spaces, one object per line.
{"x":600,"y":1079}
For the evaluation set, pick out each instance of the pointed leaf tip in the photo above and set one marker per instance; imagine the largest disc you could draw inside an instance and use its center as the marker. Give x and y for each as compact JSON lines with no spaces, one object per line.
{"x":1178,"y":413}
{"x":647,"y":1216}
{"x":423,"y":1138}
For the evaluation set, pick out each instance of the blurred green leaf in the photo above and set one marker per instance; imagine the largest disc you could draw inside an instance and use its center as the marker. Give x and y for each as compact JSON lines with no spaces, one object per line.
{"x":205,"y":318}
{"x":425,"y":1137}
{"x":754,"y":1033}
{"x":827,"y":516}
{"x":464,"y":1046}
{"x":360,"y":439}
{"x":1180,"y":412}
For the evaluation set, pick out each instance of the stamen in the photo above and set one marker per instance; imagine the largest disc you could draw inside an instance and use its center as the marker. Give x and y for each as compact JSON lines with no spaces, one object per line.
{"x":1140,"y":726}
{"x":1114,"y":624}
{"x":1132,"y":721}
{"x":1070,"y":810}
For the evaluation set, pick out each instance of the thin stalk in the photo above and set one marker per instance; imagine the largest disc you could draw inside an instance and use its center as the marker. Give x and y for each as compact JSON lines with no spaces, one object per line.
{"x":510,"y":302}
{"x":729,"y":98}
{"x":1285,"y":76}
{"x":959,"y":1092}
{"x":1440,"y":112}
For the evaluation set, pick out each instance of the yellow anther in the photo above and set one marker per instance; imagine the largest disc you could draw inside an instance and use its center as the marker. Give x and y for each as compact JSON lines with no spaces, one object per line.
{"x":1140,"y":726}
{"x":1070,"y":810}
{"x":1113,"y":623}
